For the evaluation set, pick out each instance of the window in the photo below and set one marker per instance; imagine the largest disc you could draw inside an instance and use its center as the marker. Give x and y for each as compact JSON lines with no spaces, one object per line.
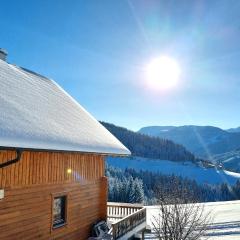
{"x":59,"y":211}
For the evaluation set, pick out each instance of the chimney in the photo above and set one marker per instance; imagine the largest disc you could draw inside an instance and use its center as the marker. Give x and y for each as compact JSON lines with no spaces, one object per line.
{"x":3,"y":54}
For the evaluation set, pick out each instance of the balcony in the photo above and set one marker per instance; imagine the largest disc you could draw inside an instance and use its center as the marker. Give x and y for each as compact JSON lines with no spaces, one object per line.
{"x":126,"y":220}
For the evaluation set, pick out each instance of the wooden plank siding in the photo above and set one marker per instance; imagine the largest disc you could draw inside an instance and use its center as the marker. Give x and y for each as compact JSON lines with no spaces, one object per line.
{"x":49,"y":167}
{"x":26,"y":209}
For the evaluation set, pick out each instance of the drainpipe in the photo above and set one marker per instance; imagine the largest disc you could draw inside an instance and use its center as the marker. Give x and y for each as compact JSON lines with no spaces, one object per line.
{"x":12,"y":161}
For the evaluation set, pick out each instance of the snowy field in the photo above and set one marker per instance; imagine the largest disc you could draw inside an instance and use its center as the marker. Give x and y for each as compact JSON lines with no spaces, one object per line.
{"x":226,"y":220}
{"x":184,"y":169}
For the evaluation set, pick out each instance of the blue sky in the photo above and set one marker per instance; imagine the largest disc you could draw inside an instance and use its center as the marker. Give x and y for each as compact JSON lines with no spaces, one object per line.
{"x":97,"y":51}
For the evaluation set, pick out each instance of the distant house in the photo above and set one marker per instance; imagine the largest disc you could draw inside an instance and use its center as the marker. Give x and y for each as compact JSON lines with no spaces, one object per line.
{"x":52,"y":151}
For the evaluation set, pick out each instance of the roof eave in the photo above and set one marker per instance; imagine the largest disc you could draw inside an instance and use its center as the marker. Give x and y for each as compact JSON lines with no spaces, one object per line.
{"x":64,"y":151}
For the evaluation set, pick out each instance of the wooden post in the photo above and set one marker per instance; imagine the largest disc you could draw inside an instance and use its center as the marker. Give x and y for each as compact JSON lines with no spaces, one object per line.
{"x":114,"y":233}
{"x":143,"y":234}
{"x":104,"y":196}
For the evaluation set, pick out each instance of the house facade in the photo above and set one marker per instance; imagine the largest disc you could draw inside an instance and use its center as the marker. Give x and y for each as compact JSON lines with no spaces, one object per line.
{"x":52,"y":183}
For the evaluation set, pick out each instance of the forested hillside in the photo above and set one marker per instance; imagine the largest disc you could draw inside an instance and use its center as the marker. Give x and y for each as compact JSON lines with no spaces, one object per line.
{"x":150,"y":147}
{"x":196,"y":171}
{"x":134,"y":186}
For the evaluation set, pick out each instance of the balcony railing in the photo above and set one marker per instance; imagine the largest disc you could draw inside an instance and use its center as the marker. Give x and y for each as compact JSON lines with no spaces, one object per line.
{"x":126,"y":219}
{"x":117,"y":211}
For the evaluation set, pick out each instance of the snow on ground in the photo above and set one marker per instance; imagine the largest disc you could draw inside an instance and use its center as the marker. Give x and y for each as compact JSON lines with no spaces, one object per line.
{"x":225,"y":224}
{"x":184,"y":169}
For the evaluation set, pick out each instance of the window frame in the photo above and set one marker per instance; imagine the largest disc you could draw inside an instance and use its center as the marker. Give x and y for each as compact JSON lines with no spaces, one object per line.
{"x":54,"y":196}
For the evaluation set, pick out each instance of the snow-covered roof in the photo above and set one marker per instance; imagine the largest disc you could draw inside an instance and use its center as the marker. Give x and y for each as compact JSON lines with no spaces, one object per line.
{"x":36,"y":113}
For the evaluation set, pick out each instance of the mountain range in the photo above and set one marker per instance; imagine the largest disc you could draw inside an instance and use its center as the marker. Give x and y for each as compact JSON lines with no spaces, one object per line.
{"x":234,"y":129}
{"x":203,"y":141}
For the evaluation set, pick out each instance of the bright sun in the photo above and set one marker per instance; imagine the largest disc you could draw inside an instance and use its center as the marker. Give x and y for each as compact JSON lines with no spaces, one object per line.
{"x":162,"y":73}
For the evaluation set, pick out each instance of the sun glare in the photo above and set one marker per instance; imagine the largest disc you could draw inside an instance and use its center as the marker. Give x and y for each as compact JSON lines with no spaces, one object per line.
{"x":162,"y":73}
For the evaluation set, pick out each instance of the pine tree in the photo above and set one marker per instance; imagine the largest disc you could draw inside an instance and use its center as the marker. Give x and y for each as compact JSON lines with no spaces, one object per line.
{"x":139,"y":192}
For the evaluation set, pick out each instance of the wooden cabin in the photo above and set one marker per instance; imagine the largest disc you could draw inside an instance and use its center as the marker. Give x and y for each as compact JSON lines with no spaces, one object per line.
{"x":52,"y":183}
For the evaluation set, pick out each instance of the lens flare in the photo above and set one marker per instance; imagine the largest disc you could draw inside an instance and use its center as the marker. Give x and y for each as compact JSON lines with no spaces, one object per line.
{"x":162,"y":73}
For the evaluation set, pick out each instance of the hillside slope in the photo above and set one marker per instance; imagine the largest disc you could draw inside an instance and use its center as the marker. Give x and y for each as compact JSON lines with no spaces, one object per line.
{"x":229,"y":160}
{"x":150,"y":147}
{"x":189,"y":170}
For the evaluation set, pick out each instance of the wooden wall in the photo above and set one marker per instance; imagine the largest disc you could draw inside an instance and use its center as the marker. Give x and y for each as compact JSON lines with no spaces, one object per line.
{"x":26,"y":210}
{"x":46,"y":167}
